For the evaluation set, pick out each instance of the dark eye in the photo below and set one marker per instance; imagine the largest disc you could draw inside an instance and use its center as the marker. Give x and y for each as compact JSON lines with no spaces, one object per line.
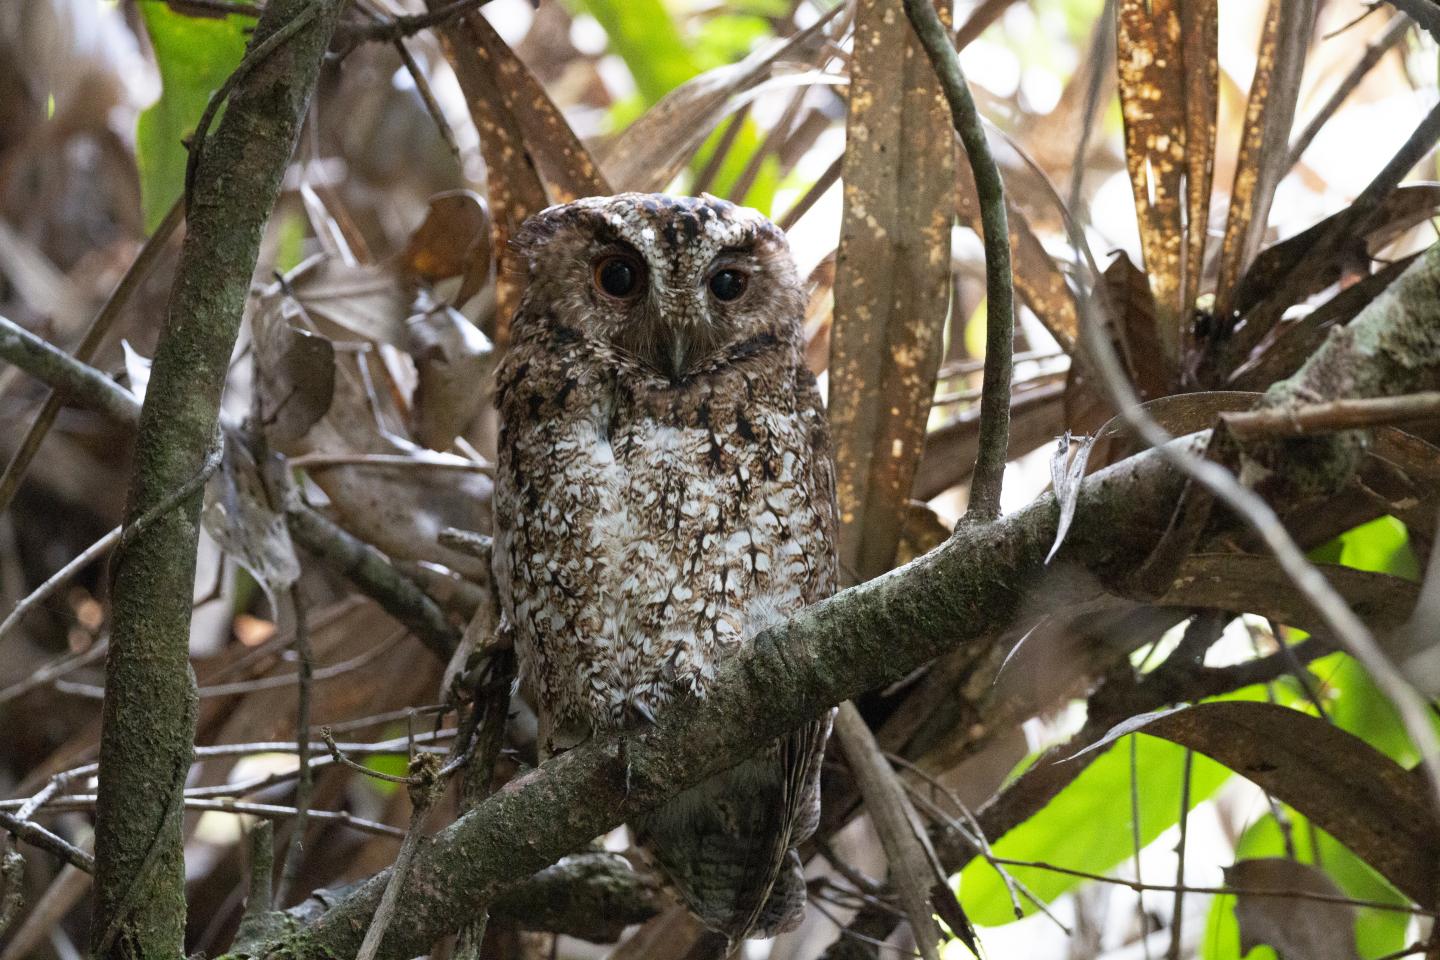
{"x":618,"y":276}
{"x":728,"y":285}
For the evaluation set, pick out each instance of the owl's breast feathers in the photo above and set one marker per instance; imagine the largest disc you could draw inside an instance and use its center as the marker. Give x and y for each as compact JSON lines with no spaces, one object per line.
{"x":650,"y":529}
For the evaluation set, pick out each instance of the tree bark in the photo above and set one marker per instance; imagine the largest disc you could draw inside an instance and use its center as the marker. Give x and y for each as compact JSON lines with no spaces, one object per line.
{"x":148,"y":720}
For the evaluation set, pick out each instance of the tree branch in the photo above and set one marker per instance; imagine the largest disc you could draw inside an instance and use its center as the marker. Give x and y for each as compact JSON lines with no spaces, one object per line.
{"x":999,"y":284}
{"x":148,"y":720}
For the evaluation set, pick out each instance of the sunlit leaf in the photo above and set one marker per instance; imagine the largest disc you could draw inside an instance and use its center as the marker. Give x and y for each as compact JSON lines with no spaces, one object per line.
{"x":195,"y":55}
{"x":1089,"y":825}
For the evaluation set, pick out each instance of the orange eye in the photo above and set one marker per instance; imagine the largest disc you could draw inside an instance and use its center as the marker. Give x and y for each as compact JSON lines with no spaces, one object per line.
{"x":619,"y":276}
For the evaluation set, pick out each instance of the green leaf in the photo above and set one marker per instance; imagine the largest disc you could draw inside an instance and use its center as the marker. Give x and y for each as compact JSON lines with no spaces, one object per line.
{"x":647,"y":38}
{"x":1088,"y":826}
{"x":195,"y":55}
{"x":1377,"y":932}
{"x":1381,"y":546}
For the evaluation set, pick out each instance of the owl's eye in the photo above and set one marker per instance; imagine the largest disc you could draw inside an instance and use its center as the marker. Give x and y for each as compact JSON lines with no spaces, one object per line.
{"x":727,"y":285}
{"x":618,"y":276}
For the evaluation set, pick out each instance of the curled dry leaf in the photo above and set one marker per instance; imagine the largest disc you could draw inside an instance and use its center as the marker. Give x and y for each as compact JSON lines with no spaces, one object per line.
{"x":452,"y":241}
{"x":241,"y":517}
{"x":1067,"y":470}
{"x":1298,"y":929}
{"x":398,"y":502}
{"x":891,"y":298}
{"x":652,"y":151}
{"x":294,"y":372}
{"x":453,"y":361}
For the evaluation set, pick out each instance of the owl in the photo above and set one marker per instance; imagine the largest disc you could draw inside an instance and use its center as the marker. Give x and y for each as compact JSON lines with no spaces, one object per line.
{"x":664,"y":491}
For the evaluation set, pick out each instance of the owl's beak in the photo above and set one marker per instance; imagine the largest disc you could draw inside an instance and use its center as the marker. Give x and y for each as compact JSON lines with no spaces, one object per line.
{"x":678,"y":353}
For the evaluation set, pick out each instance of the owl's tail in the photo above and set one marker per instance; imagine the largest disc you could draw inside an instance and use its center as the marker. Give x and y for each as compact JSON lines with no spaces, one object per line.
{"x":729,"y":844}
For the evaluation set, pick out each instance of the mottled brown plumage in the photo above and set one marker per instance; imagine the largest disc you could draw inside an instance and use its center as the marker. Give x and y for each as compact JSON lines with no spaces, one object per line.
{"x":664,"y":491}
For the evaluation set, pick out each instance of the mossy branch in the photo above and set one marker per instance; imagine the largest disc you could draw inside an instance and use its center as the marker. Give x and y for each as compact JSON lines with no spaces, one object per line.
{"x":148,"y":718}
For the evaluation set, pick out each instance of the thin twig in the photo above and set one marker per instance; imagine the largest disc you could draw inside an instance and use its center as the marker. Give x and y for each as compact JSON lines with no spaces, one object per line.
{"x":137,"y":273}
{"x":427,"y":97}
{"x":55,"y":367}
{"x":269,"y":811}
{"x":912,"y":866}
{"x":1220,"y":891}
{"x":339,"y":757}
{"x":1392,"y":34}
{"x":1177,"y":915}
{"x":314,"y":461}
{"x":406,"y":25}
{"x":38,"y":836}
{"x":1333,"y":415}
{"x":262,"y":864}
{"x":295,"y":850}
{"x":1143,"y":917}
{"x":58,"y":579}
{"x":994,"y":447}
{"x":426,"y":786}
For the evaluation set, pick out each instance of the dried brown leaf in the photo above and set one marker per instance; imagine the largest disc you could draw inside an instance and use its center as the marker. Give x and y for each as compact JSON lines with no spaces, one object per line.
{"x":294,"y":372}
{"x":1138,"y":325}
{"x":453,"y":241}
{"x":452,"y":358}
{"x":567,"y":169}
{"x":1199,"y":46}
{"x":1265,"y":141}
{"x":345,"y":301}
{"x":241,"y":517}
{"x":1297,"y":929}
{"x":1402,"y":209}
{"x":892,"y":282}
{"x":512,"y":181}
{"x":1152,"y":98}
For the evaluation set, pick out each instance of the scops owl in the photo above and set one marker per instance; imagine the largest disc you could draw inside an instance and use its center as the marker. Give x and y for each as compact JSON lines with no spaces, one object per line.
{"x":664,"y":491}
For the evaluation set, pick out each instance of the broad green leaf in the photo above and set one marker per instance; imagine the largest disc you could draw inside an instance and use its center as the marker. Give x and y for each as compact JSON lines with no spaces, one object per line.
{"x":1088,"y":826}
{"x":195,"y":55}
{"x":1381,"y":546}
{"x":646,"y":37}
{"x":1377,"y":932}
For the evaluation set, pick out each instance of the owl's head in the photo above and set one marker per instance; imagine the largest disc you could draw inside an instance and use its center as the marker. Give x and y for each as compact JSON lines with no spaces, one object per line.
{"x":678,"y":286}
